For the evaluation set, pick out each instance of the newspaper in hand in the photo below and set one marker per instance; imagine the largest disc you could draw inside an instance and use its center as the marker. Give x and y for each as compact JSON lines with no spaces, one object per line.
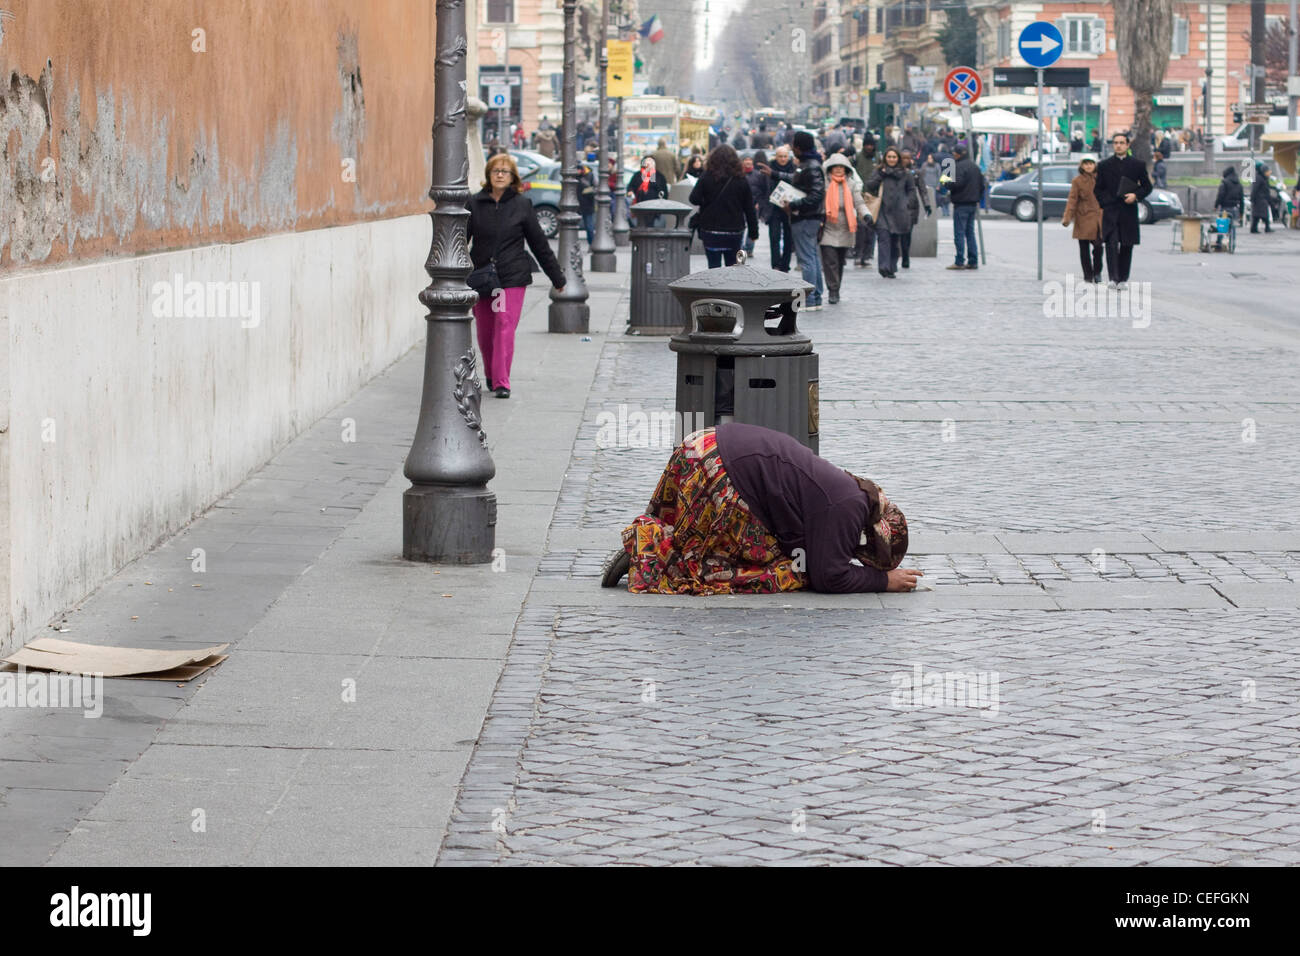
{"x":784,"y":193}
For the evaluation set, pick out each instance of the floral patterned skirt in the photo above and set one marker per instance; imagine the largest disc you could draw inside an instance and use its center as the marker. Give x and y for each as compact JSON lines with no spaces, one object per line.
{"x":698,"y":536}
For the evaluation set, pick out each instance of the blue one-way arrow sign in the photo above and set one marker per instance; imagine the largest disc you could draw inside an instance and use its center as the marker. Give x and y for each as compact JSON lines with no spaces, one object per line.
{"x":1041,"y":44}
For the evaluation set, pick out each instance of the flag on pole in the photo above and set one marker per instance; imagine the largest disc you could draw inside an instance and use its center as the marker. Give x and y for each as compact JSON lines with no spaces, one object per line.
{"x":653,"y":29}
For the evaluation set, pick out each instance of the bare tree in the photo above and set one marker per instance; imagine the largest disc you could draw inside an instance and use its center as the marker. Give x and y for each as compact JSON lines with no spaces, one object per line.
{"x":1144,"y":33}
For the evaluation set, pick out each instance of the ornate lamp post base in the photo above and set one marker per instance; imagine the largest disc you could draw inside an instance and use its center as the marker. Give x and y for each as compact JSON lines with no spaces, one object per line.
{"x":448,"y":524}
{"x":568,"y":317}
{"x":569,"y":311}
{"x":603,"y":261}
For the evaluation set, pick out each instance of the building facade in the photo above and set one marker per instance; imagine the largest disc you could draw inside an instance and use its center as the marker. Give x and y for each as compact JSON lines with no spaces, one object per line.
{"x":1206,"y":35}
{"x":828,"y":85}
{"x":1213,"y":35}
{"x":862,"y":45}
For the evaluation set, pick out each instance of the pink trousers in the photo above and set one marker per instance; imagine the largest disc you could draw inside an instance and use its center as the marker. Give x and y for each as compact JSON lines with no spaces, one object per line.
{"x":495,"y":321}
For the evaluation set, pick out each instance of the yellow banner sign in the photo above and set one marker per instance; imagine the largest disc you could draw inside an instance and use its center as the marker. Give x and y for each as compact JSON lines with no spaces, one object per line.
{"x":622,"y":66}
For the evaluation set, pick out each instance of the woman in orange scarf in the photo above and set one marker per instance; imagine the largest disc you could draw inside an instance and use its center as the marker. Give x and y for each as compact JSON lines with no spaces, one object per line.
{"x":845,"y":207}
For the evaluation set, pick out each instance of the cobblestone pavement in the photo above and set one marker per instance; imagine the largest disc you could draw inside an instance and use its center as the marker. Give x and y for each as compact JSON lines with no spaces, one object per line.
{"x":792,"y":737}
{"x":758,"y":731}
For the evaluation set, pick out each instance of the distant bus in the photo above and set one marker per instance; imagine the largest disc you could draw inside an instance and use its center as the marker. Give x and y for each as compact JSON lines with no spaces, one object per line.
{"x":770,"y":117}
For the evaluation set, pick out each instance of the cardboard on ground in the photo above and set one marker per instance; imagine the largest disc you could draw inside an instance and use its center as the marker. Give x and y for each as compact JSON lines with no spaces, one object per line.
{"x":70,"y":657}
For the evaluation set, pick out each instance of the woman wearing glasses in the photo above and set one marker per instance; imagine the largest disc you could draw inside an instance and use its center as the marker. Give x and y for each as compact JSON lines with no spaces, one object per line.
{"x":500,"y":222}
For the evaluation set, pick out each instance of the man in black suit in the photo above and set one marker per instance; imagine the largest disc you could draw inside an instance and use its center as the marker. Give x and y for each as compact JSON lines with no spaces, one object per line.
{"x":1122,"y":182}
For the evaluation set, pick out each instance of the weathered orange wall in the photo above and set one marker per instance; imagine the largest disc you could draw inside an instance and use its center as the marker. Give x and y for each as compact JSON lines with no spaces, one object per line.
{"x":156,"y":146}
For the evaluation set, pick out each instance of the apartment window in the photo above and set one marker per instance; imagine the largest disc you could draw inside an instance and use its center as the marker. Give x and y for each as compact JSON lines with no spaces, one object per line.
{"x":1180,"y":36}
{"x":500,"y":11}
{"x":1083,"y":34}
{"x":838,"y":74}
{"x":880,"y":19}
{"x":857,"y":76}
{"x":819,"y":15}
{"x":914,"y":13}
{"x":893,"y":19}
{"x":1004,"y":39}
{"x":864,"y":23}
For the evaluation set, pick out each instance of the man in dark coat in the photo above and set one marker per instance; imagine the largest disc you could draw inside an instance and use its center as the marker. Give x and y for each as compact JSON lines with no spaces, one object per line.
{"x":966,"y":189}
{"x":807,"y":214}
{"x":1119,"y":210}
{"x":865,"y":238}
{"x":1259,"y":199}
{"x":780,"y":238}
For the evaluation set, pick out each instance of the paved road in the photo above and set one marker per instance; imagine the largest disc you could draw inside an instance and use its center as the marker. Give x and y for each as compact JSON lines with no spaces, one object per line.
{"x":1105,"y":671}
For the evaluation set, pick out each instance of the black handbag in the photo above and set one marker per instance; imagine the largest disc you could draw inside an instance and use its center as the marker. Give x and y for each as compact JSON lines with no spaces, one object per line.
{"x":484,"y":280}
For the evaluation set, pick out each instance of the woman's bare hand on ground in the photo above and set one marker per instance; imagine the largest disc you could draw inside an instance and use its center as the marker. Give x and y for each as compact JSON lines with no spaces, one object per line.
{"x":903,"y":579}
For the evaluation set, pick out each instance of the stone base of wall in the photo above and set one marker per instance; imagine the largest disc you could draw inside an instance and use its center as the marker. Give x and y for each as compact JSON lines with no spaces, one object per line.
{"x":136,"y":392}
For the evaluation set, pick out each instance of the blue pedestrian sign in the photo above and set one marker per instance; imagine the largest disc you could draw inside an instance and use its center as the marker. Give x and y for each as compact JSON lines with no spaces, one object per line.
{"x":1041,"y":44}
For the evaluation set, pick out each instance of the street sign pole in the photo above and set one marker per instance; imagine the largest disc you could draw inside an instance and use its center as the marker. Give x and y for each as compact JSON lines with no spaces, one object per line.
{"x":1040,"y":46}
{"x":503,"y":134}
{"x":1040,"y":175}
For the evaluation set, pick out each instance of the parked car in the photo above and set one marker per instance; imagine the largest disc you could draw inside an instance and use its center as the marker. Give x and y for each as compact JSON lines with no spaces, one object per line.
{"x":542,"y":185}
{"x":1240,"y":137}
{"x":1019,"y":197}
{"x":527,"y":160}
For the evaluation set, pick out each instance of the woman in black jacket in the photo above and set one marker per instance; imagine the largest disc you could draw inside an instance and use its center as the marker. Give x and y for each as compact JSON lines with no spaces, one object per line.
{"x":500,"y":222}
{"x":726,"y":207}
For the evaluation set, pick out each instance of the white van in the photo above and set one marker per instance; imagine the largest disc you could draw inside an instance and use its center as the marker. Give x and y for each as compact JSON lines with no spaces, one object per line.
{"x":1240,"y":137}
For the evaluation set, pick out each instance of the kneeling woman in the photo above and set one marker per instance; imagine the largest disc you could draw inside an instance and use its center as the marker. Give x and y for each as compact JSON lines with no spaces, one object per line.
{"x":747,"y":510}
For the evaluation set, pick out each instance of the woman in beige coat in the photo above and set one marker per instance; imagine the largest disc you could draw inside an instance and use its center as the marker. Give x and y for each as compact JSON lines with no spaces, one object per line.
{"x":845,"y":211}
{"x":1083,"y":210}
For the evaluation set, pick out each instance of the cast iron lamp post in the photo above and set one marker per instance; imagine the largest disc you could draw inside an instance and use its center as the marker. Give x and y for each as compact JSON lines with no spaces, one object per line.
{"x":448,"y":514}
{"x":602,"y":244}
{"x":569,"y":311}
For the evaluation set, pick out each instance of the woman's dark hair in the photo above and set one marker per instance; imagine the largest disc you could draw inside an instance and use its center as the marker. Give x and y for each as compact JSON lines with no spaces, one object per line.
{"x":884,"y":158}
{"x":760,"y":157}
{"x":696,"y":162}
{"x":723,"y":162}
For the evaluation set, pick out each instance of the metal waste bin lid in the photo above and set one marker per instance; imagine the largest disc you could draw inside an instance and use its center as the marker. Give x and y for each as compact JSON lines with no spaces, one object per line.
{"x":716,"y":300}
{"x":742,"y":280}
{"x":662,"y":207}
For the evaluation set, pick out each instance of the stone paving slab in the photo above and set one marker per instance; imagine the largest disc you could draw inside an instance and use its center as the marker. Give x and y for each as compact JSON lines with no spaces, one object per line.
{"x":1261,"y":595}
{"x":1226,"y":541}
{"x":1145,"y":595}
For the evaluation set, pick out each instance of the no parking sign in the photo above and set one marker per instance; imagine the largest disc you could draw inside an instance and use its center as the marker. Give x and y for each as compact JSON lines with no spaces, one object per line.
{"x":962,"y":86}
